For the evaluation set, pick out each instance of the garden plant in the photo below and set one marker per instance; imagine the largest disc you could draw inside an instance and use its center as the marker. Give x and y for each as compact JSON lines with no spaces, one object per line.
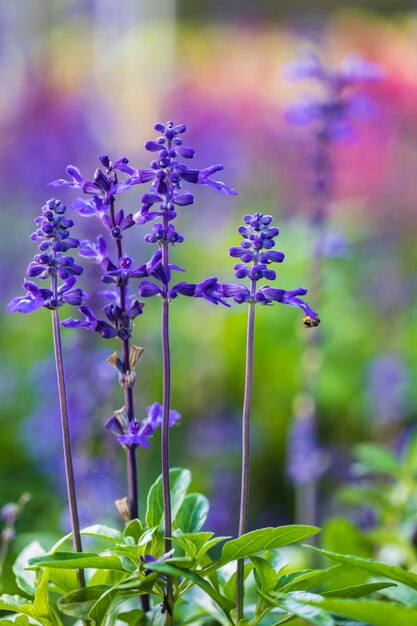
{"x":161,"y":565}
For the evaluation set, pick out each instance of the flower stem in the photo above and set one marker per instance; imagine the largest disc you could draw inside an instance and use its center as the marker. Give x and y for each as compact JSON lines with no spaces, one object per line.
{"x":166,"y":405}
{"x":132,"y":478}
{"x":244,"y":489}
{"x":66,"y":439}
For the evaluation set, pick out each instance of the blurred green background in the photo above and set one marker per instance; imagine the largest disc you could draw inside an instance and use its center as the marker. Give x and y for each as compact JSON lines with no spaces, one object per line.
{"x":82,"y":78}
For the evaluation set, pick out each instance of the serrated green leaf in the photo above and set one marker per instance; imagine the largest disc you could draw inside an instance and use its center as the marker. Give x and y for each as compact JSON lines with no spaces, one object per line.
{"x":78,"y":603}
{"x":192,"y":513}
{"x":357,"y":591}
{"x":258,"y":541}
{"x":179,"y":480}
{"x":178,"y":572}
{"x":74,"y":560}
{"x":375,"y":567}
{"x":372,"y":612}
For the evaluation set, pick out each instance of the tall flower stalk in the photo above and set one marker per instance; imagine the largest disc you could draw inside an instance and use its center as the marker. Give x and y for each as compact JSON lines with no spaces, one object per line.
{"x":52,"y":262}
{"x":256,"y":255}
{"x":103,"y":188}
{"x":167,"y":174}
{"x":333,"y":115}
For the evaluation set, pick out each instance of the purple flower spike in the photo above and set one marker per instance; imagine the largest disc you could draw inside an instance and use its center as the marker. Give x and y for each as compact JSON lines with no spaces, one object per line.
{"x":336,"y":109}
{"x":256,"y":256}
{"x":168,"y":174}
{"x":53,"y":237}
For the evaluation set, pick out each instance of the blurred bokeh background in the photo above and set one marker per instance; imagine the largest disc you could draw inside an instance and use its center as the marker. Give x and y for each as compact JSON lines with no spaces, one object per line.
{"x":83,"y":77}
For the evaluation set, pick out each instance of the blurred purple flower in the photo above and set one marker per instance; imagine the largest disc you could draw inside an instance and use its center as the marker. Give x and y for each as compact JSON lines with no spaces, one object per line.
{"x":305,"y":460}
{"x":388,"y":381}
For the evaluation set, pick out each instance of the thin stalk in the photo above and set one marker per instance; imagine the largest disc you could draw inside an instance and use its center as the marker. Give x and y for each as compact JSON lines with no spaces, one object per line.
{"x":66,"y":438}
{"x":132,"y":479}
{"x":245,"y":478}
{"x":166,"y":404}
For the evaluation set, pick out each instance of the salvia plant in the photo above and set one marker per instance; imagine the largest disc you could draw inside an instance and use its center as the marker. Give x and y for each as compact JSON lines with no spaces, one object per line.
{"x":161,"y":555}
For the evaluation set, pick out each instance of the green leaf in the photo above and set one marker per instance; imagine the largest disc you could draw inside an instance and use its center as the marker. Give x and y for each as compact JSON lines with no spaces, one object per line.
{"x":371,"y":612}
{"x":20,"y":620}
{"x":376,"y":458}
{"x":192,"y":513}
{"x":136,"y":617}
{"x":229,"y":589}
{"x":375,"y":567}
{"x":175,"y":571}
{"x":115,"y":596}
{"x":191,"y":543}
{"x":78,"y":603}
{"x":134,"y":529}
{"x":12,"y":602}
{"x":103,"y":532}
{"x":264,"y":539}
{"x":295,"y":603}
{"x":357,"y":591}
{"x":74,"y":560}
{"x":266,"y":577}
{"x":304,"y":580}
{"x":25,"y":580}
{"x":40,"y":607}
{"x":180,"y":480}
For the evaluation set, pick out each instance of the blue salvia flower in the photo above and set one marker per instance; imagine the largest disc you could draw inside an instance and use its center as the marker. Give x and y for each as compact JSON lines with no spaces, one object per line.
{"x":167,"y":175}
{"x":256,"y":256}
{"x":104,"y":186}
{"x":136,"y":433}
{"x":53,"y":237}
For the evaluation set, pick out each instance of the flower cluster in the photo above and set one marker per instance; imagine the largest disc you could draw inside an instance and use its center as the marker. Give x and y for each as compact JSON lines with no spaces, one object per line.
{"x":168,"y":174}
{"x":104,"y":186}
{"x":135,"y":433}
{"x":258,"y":239}
{"x":256,"y":256}
{"x":338,"y":107}
{"x":53,"y":235}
